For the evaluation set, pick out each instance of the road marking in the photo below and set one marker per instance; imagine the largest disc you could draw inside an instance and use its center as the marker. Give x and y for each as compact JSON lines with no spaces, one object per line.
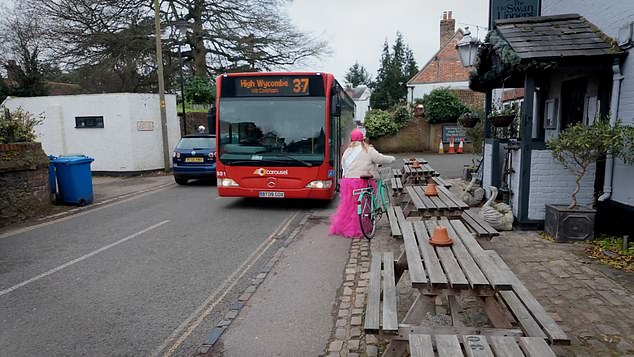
{"x":78,"y":212}
{"x":210,"y":303}
{"x":17,"y":286}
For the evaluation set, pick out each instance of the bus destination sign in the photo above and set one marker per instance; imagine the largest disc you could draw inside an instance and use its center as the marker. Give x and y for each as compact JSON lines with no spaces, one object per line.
{"x":272,"y":86}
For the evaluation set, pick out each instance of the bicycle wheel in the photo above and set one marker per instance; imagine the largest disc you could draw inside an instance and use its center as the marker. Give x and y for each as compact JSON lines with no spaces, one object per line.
{"x":366,"y":216}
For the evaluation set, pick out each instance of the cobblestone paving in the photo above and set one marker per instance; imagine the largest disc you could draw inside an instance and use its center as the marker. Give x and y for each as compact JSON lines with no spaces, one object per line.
{"x":592,"y":303}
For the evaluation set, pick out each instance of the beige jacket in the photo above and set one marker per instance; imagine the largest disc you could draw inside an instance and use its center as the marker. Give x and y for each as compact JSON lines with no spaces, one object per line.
{"x":365,"y":162}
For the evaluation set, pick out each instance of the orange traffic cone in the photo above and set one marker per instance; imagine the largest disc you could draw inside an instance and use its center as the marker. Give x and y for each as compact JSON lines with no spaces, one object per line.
{"x":440,"y":237}
{"x":452,"y":145}
{"x":461,"y":146}
{"x":431,"y":190}
{"x":441,"y":149}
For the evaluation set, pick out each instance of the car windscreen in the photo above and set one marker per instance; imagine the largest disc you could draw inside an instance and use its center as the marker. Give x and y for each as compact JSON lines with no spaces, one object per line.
{"x":197,"y":143}
{"x":272,"y":130}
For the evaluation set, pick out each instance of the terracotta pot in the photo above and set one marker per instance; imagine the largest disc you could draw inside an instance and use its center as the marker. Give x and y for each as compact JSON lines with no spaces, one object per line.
{"x":430,"y":190}
{"x":501,"y":121}
{"x":440,"y":237}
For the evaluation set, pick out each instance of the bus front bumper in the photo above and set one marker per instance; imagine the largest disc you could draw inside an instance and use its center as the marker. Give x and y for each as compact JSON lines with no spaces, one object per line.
{"x":303,"y":193}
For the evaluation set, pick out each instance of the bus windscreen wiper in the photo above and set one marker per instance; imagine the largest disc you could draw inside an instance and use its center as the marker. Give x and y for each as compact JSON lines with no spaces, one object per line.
{"x":280,"y":154}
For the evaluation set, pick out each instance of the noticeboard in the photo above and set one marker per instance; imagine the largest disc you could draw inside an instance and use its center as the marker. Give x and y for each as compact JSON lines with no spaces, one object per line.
{"x":456,"y":131}
{"x":508,"y":9}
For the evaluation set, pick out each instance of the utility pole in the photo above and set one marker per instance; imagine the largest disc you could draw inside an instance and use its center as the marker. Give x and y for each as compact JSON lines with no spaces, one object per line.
{"x":161,"y":83}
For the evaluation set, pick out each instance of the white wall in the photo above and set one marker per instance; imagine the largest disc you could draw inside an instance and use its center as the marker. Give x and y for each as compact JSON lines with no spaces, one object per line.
{"x":551,"y":183}
{"x":488,"y":161}
{"x":609,"y":16}
{"x":419,"y":90}
{"x":361,"y":109}
{"x":118,"y":146}
{"x":515,"y":182}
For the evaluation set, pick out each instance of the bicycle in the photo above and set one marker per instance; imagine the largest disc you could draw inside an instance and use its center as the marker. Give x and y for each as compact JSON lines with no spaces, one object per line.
{"x":371,"y":205}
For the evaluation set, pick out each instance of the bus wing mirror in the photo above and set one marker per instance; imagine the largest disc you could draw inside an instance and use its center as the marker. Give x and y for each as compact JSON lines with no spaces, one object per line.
{"x":335,"y":106}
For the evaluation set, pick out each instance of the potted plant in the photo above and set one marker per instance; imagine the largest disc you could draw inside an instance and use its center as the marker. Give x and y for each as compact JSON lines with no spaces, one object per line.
{"x":576,"y":148}
{"x":502,"y":117}
{"x":469,"y":119}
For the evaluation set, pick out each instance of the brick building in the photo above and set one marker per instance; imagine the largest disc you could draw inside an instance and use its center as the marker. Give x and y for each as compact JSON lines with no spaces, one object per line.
{"x":444,"y":68}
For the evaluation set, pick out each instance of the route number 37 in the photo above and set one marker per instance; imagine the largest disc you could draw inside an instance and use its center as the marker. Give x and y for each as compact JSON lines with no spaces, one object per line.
{"x":300,"y":85}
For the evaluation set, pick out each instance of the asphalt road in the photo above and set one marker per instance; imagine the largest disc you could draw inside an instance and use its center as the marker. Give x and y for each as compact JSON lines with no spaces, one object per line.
{"x":141,"y":277}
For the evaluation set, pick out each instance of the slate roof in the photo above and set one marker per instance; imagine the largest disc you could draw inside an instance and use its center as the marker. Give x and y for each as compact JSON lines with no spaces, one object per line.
{"x":546,"y":37}
{"x":357,"y":92}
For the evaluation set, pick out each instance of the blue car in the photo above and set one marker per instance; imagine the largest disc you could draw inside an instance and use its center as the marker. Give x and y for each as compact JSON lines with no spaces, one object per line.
{"x":194,"y":158}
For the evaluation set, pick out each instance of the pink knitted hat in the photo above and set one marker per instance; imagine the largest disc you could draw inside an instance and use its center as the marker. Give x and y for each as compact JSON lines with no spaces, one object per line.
{"x":356,"y":135}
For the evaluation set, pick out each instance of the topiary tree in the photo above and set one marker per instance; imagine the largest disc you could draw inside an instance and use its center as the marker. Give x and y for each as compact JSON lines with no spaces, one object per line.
{"x":442,"y":106}
{"x":579,"y":146}
{"x":378,"y":123}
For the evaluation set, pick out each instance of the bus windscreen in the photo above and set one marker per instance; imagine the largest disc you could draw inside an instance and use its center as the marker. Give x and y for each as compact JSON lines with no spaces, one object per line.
{"x":274,"y":131}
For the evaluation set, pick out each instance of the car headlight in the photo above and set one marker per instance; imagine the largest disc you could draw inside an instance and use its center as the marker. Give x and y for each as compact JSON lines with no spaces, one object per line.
{"x":227,"y":182}
{"x":320,"y":184}
{"x":176,"y":155}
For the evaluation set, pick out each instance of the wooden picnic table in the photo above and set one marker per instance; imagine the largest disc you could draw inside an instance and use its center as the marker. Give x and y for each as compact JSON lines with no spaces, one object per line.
{"x":418,"y":174}
{"x":445,"y":204}
{"x":409,"y":162}
{"x":464,"y":269}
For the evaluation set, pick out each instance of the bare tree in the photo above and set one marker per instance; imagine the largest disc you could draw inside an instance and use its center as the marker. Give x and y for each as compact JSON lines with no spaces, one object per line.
{"x":242,"y":35}
{"x":112,"y":41}
{"x":20,"y":52}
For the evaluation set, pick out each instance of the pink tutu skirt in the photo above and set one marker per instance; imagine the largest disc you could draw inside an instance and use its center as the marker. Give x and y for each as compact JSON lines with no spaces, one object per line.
{"x":345,"y":221}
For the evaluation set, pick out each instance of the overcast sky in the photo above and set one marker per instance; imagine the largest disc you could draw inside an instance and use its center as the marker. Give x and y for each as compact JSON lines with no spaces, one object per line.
{"x":356,"y":29}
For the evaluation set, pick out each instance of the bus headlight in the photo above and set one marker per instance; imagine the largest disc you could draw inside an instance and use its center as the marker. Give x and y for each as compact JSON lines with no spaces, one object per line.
{"x":320,"y":184}
{"x":227,"y":182}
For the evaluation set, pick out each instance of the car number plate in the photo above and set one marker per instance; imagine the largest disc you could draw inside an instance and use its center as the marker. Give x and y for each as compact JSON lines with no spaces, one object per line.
{"x":194,"y":159}
{"x":272,"y":194}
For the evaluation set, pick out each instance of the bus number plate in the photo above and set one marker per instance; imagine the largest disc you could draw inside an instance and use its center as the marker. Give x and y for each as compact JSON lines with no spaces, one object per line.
{"x":271,"y":194}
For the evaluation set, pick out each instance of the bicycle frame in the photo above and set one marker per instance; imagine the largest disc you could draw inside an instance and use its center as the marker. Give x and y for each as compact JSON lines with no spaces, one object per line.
{"x":378,"y":205}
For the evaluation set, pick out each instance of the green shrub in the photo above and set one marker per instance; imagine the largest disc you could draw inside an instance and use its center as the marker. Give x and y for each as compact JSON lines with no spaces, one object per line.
{"x":401,"y":115}
{"x":442,"y":106}
{"x":378,"y":123}
{"x":199,"y":89}
{"x":18,"y":126}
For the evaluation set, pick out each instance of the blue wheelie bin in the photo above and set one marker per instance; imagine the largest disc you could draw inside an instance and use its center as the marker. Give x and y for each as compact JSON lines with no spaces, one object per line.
{"x":51,"y":173}
{"x":74,"y":179}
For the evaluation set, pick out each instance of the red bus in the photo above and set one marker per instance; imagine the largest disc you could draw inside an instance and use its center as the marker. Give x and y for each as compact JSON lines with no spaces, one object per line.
{"x":280,"y":134}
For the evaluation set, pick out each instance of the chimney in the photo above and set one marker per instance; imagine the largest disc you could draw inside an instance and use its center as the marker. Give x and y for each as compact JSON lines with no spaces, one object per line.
{"x":447,"y":28}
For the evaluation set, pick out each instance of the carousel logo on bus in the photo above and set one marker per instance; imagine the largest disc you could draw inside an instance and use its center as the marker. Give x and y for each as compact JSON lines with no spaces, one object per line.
{"x":263,"y":172}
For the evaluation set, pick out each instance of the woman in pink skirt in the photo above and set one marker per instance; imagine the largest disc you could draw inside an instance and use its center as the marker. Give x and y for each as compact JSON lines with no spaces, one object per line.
{"x":359,"y":159}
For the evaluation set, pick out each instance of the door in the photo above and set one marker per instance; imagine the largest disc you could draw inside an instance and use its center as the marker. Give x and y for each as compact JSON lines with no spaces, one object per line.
{"x":573,"y":94}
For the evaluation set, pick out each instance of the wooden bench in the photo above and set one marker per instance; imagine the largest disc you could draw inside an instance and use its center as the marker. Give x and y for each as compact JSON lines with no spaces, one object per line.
{"x":395,"y":215}
{"x":533,"y":319}
{"x":481,"y":228}
{"x":441,"y":181}
{"x":422,"y":345}
{"x":397,"y":186}
{"x":380,"y":311}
